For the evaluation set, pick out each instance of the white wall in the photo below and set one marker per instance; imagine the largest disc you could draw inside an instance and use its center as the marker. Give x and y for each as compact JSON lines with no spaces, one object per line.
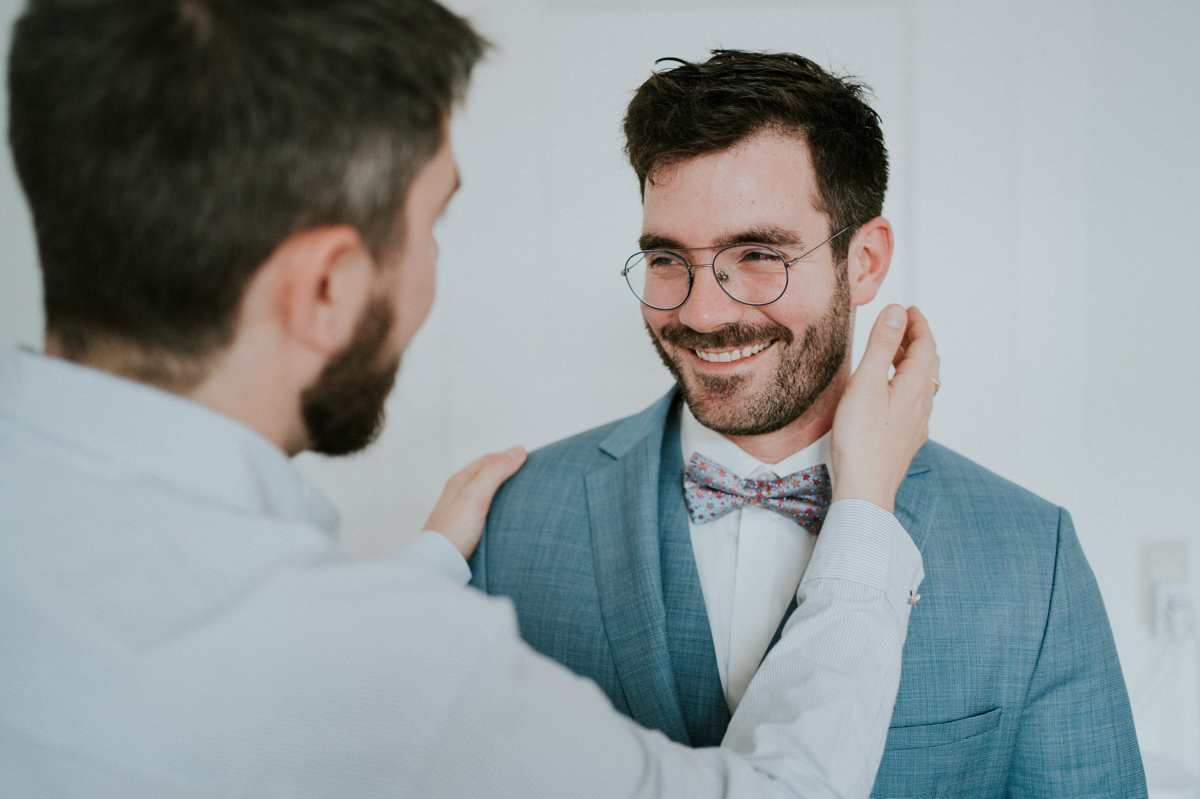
{"x":1044,"y":194}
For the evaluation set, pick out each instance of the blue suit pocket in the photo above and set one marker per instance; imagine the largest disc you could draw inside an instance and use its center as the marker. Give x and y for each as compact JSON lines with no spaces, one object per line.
{"x":958,"y":759}
{"x":920,"y":736}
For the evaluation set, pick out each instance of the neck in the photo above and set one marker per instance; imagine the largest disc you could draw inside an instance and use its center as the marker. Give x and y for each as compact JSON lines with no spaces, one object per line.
{"x":259,"y":395}
{"x":162,"y":369}
{"x":262,"y":393}
{"x":801,"y":432}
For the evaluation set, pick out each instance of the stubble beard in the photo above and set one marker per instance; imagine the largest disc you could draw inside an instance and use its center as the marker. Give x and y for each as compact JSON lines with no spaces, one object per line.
{"x":343,"y":411}
{"x":805,"y":369}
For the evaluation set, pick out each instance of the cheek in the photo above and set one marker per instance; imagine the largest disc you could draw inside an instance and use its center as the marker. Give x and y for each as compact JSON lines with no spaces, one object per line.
{"x":417,"y":303}
{"x":658,"y":319}
{"x":420,"y":280}
{"x":431,"y":255}
{"x":412,"y":291}
{"x":803,"y":303}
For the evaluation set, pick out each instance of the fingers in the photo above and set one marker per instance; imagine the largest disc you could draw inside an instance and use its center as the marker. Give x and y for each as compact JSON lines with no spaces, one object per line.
{"x":884,"y":343}
{"x":462,"y":510}
{"x":920,"y":361}
{"x":499,"y":467}
{"x":902,"y":338}
{"x":483,"y":476}
{"x":495,"y":461}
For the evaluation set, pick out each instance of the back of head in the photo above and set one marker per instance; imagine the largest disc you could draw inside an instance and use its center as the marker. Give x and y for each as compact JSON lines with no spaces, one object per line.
{"x":695,"y":109}
{"x":166,"y":147}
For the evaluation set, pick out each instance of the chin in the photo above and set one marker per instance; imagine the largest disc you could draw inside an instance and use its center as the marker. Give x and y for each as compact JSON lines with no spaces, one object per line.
{"x":754,"y":403}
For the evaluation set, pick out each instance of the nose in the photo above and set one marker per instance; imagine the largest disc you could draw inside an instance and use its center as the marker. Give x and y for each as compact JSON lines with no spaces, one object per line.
{"x":708,"y":307}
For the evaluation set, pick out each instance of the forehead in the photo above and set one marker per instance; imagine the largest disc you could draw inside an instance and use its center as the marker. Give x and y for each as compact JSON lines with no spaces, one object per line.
{"x":764,"y":181}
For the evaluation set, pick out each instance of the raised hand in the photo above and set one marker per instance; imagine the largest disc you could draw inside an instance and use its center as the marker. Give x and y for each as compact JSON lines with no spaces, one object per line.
{"x":880,"y":423}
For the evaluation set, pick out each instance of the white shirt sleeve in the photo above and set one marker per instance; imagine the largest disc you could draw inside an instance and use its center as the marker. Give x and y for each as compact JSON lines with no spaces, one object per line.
{"x":836,"y":668}
{"x":812,"y":724}
{"x":433,"y":552}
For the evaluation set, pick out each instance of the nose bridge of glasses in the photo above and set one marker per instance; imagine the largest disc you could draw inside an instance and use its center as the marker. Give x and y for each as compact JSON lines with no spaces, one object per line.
{"x":709,"y":303}
{"x":705,"y":276}
{"x":711,"y":281}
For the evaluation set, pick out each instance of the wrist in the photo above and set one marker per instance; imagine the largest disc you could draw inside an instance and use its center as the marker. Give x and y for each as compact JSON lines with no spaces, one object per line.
{"x":880,"y":497}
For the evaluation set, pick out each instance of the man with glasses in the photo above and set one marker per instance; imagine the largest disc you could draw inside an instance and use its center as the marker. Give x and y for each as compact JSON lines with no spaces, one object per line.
{"x":234,"y":203}
{"x":658,"y":554}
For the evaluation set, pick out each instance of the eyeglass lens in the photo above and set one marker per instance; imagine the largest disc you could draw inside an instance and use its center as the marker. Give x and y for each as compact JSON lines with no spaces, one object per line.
{"x":751,"y":274}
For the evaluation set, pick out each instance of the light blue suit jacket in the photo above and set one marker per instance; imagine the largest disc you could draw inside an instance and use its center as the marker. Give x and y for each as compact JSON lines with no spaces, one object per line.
{"x":1011,"y":684}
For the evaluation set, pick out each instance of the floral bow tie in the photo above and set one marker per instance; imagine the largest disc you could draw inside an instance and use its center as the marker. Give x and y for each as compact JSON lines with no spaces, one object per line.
{"x":710,"y":491}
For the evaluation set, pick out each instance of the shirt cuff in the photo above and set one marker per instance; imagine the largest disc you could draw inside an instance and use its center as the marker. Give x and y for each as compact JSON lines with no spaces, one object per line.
{"x":861,"y":542}
{"x":434,"y":552}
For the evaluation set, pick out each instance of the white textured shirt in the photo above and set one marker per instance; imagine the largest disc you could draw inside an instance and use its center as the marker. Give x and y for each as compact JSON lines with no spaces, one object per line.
{"x":176,"y":620}
{"x":750,"y":560}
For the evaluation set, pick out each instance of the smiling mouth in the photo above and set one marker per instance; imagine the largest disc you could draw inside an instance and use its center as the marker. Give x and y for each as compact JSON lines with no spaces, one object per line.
{"x":725,"y":356}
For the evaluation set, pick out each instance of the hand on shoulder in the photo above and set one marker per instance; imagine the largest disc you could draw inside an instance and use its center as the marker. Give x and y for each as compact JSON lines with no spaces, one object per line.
{"x":461,"y":511}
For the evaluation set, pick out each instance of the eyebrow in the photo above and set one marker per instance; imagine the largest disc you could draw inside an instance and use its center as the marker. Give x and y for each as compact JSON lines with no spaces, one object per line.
{"x":774,"y":236}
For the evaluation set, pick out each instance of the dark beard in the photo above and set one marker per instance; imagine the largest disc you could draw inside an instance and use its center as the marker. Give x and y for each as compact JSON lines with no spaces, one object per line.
{"x":804,"y":372}
{"x":343,"y":410}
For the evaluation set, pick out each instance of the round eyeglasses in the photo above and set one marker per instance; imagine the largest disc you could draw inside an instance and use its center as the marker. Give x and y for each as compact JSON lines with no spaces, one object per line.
{"x":752,"y":274}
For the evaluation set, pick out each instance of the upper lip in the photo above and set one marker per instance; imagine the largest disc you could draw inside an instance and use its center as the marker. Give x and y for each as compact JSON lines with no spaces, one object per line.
{"x":725,"y":355}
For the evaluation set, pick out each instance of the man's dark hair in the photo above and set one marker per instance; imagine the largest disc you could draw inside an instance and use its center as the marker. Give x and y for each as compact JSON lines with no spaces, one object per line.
{"x":168,"y":146}
{"x":695,"y":109}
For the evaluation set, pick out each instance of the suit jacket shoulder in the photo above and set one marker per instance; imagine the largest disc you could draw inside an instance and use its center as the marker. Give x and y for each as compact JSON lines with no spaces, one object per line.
{"x":573,"y":539}
{"x":547,"y":491}
{"x":963,"y":476}
{"x":989,"y":514}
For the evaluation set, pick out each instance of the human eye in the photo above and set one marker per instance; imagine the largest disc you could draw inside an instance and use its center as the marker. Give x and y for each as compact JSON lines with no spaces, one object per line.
{"x":755,"y":254}
{"x":665,"y":262}
{"x":754,"y":259}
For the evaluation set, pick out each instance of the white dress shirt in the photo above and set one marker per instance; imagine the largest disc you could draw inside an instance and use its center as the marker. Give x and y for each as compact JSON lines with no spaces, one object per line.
{"x":750,"y":560}
{"x":176,"y":620}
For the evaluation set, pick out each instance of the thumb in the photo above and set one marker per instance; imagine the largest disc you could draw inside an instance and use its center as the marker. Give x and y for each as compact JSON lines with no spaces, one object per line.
{"x":884,"y":342}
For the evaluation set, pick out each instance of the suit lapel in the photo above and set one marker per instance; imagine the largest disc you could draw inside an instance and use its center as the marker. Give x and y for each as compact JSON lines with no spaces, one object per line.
{"x":689,"y":634}
{"x":649,"y":589}
{"x":623,"y":509}
{"x":915,"y":503}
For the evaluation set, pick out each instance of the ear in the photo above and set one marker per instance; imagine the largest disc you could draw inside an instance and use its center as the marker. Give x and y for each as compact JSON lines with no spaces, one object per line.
{"x":868,"y":260}
{"x":324,"y":278}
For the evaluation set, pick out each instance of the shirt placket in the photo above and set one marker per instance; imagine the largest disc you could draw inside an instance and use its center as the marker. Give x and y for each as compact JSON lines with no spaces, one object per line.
{"x":750,"y":595}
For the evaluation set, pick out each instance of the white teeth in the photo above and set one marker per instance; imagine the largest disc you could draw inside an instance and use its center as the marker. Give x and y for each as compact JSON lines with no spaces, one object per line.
{"x":731,"y":355}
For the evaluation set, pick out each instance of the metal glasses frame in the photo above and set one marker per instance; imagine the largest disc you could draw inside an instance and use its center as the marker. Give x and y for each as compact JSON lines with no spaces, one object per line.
{"x":787,"y":265}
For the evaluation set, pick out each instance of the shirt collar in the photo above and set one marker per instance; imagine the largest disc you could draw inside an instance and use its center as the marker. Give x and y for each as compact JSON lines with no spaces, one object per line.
{"x":695,"y":437}
{"x":162,"y":436}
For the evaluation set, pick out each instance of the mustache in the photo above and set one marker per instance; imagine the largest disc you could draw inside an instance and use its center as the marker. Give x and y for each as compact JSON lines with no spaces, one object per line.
{"x":734,"y":336}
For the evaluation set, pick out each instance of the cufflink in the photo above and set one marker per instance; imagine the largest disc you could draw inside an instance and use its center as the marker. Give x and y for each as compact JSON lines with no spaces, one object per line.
{"x":913,"y":598}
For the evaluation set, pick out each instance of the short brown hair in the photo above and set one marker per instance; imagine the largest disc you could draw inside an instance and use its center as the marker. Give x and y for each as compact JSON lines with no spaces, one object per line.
{"x":695,"y":109}
{"x":168,"y":146}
